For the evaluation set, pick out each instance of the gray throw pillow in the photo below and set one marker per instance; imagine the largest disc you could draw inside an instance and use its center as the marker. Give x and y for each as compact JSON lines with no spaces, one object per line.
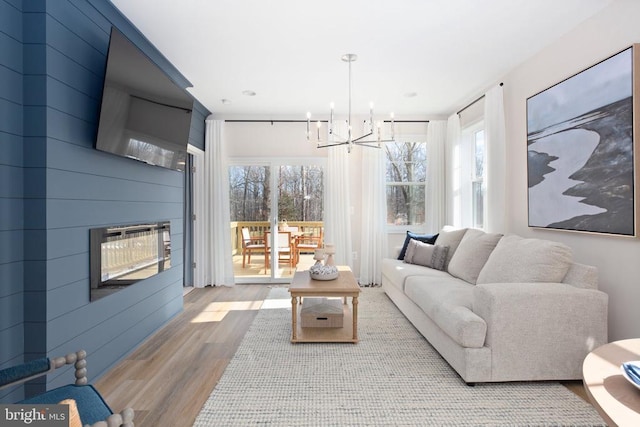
{"x":425,"y":254}
{"x":519,"y":260}
{"x":450,"y":237}
{"x":472,"y":253}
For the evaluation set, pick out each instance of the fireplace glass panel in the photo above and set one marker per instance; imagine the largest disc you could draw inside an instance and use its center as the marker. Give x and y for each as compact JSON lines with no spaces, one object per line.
{"x":125,"y":254}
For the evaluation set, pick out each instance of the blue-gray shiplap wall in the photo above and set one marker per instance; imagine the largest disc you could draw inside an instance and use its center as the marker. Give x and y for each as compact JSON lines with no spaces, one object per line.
{"x":11,"y":189}
{"x":58,"y":187}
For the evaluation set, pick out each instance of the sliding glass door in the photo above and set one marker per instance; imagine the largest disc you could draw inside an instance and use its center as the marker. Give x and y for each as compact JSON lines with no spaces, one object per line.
{"x":275,"y":205}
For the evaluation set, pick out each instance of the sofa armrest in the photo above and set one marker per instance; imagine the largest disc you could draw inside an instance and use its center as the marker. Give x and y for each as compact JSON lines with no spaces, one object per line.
{"x":532,"y":322}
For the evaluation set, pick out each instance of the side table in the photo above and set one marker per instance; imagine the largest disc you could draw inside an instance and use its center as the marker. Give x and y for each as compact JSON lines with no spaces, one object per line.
{"x":344,"y":286}
{"x":615,"y":398}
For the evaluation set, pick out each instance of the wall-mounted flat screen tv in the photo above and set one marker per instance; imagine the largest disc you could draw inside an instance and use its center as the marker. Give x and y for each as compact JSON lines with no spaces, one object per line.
{"x":144,"y":115}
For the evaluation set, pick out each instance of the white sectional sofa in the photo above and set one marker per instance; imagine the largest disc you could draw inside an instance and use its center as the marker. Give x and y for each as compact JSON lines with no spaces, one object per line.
{"x":503,"y":308}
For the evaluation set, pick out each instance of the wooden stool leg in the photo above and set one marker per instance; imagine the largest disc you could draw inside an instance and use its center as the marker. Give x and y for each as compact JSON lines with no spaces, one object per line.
{"x":354,"y":303}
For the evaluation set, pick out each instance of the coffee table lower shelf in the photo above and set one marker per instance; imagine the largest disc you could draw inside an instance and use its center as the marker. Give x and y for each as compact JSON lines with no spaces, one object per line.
{"x":344,"y":334}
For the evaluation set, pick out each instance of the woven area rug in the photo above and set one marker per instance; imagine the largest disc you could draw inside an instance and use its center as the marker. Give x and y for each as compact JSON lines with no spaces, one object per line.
{"x":391,"y":377}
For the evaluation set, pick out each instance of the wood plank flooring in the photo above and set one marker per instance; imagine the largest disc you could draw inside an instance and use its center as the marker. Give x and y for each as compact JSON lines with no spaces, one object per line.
{"x":169,"y":377}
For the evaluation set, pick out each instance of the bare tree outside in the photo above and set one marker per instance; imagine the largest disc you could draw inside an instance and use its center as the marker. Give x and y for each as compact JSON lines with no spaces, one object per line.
{"x":249,"y":193}
{"x":300,"y":191}
{"x":406,"y":181}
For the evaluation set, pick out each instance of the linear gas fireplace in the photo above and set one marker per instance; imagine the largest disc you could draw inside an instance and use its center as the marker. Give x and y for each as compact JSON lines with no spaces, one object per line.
{"x":125,"y":254}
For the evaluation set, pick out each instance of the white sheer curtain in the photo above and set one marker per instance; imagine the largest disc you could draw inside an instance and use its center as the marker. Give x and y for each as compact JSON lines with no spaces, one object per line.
{"x":435,"y":198}
{"x":337,"y":218}
{"x":212,"y":239}
{"x":452,"y":172}
{"x":373,"y":243}
{"x":495,"y":160}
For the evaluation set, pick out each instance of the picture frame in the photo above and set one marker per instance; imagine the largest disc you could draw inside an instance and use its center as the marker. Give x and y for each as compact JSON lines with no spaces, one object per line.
{"x":581,"y":150}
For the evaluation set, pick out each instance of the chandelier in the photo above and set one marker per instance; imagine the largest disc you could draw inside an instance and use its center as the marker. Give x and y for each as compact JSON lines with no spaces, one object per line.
{"x":366,"y":140}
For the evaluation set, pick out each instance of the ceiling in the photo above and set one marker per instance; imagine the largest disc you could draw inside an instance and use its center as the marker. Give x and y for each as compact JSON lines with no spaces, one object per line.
{"x":446,"y":52}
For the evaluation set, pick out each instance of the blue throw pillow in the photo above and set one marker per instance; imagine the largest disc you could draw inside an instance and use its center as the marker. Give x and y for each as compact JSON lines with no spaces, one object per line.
{"x":424,"y":238}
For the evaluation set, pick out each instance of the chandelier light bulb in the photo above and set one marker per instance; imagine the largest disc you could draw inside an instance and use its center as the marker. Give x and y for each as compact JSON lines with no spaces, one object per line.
{"x":368,"y":139}
{"x":371,"y":117}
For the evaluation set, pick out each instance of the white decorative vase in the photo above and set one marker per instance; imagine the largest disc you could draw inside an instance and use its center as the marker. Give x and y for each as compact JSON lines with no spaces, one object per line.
{"x":329,"y":250}
{"x":323,"y":272}
{"x":318,"y":255}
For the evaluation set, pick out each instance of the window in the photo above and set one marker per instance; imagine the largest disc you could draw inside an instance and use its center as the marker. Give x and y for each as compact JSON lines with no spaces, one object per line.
{"x":477,"y":179}
{"x":473,"y":176}
{"x":250,"y":189}
{"x":300,"y":192}
{"x":406,"y":173}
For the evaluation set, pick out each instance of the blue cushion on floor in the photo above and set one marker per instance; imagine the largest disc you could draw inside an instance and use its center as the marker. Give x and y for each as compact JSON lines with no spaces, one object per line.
{"x":91,"y":407}
{"x":25,"y":370}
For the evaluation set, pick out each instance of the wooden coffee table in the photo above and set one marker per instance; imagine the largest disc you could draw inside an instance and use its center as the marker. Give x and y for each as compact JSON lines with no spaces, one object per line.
{"x":344,"y":286}
{"x":615,"y":398}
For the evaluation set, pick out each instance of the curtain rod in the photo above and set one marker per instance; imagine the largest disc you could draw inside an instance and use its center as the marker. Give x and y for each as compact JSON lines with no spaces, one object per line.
{"x":316,"y":121}
{"x":473,"y":102}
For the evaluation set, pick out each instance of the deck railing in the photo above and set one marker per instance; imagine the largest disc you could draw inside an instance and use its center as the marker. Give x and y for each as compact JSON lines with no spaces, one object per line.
{"x":258,"y":228}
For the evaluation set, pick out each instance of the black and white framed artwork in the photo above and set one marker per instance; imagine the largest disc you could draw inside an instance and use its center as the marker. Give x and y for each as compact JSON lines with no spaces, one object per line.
{"x":580,"y":151}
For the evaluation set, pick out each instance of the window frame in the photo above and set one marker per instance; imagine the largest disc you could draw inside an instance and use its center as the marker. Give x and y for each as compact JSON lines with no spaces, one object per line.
{"x":478,"y":179}
{"x":403,"y":228}
{"x":468,"y":174}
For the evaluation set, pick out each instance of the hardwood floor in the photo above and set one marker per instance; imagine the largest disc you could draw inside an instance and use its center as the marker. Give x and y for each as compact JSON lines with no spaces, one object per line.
{"x":169,"y":377}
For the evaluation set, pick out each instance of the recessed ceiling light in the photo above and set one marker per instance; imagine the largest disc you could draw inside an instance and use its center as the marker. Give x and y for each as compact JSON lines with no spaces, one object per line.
{"x":225,"y":101}
{"x":248,"y":93}
{"x":411,"y":94}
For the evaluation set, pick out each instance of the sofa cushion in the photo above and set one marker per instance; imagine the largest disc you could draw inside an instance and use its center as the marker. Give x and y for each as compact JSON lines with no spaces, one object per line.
{"x":425,"y":238}
{"x":450,"y":236}
{"x":448,"y":303}
{"x":582,"y":276}
{"x":395,"y":272}
{"x":432,"y":256}
{"x":519,"y":260}
{"x":472,"y":253}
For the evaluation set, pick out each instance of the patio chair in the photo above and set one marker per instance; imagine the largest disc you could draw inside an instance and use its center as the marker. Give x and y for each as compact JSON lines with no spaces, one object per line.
{"x":306,"y":243}
{"x":249,"y":245}
{"x":285,"y":248}
{"x":91,"y":407}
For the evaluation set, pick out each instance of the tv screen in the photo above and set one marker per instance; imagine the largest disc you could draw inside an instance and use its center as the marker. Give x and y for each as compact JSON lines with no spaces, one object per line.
{"x":144,"y":115}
